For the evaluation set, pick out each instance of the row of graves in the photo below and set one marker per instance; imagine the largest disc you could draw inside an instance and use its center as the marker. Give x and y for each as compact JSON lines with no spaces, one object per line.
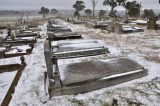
{"x":113,"y":26}
{"x":82,"y":76}
{"x":120,"y":26}
{"x":15,"y":42}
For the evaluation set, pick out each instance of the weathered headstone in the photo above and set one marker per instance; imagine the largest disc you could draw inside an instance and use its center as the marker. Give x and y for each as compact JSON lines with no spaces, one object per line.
{"x":118,"y":28}
{"x":152,"y":23}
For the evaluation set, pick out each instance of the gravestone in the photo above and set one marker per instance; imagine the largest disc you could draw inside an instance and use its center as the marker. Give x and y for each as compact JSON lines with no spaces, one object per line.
{"x":152,"y":23}
{"x":118,"y":28}
{"x":110,"y":27}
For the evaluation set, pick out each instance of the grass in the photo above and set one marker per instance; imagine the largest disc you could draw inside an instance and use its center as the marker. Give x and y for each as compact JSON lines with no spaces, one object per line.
{"x":105,"y":104}
{"x":77,"y":102}
{"x":153,"y":58}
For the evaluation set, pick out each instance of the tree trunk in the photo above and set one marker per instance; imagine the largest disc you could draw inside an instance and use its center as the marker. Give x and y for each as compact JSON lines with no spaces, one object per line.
{"x":111,"y":13}
{"x":93,"y":10}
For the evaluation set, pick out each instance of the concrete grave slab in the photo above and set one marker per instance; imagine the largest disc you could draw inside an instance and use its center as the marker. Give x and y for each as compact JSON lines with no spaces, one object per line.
{"x":15,"y":51}
{"x":63,"y":36}
{"x":19,"y":41}
{"x":56,"y":30}
{"x":78,"y":49}
{"x":91,"y":75}
{"x":99,"y":24}
{"x":93,"y":70}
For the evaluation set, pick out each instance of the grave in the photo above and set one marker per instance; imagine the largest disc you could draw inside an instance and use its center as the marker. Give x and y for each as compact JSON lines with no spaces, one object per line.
{"x":85,"y":76}
{"x":19,"y":41}
{"x":98,"y":24}
{"x":17,"y":68}
{"x":129,"y":29}
{"x":120,"y":28}
{"x":63,"y":36}
{"x":139,"y":22}
{"x":27,"y":34}
{"x":57,"y":26}
{"x":77,"y":48}
{"x":3,"y":27}
{"x":14,"y":51}
{"x":56,"y":30}
{"x":75,"y":21}
{"x":32,"y":26}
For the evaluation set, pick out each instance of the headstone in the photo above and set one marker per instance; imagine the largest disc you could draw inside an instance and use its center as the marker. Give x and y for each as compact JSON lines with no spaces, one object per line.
{"x":152,"y":23}
{"x":110,"y":27}
{"x":118,"y":28}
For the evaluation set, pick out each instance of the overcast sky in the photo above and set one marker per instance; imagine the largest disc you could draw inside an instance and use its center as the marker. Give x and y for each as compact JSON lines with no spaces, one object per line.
{"x":62,"y":4}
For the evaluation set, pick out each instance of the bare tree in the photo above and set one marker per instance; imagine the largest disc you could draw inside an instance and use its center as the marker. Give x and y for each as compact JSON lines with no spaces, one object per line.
{"x":94,"y":3}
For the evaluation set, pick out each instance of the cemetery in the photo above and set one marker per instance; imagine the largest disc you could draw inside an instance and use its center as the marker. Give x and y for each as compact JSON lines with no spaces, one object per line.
{"x":80,"y":57}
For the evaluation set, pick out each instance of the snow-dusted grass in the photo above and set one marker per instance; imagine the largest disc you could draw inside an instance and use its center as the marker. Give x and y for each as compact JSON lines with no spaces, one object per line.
{"x":137,"y":46}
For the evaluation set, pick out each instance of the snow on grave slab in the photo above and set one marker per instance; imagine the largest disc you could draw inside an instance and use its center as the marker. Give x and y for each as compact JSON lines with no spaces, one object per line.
{"x":63,"y":36}
{"x":129,"y":29}
{"x":91,"y":75}
{"x":18,"y":49}
{"x":17,"y":42}
{"x":93,"y":70}
{"x":27,"y":34}
{"x":78,"y":49}
{"x":98,"y":24}
{"x":140,"y":22}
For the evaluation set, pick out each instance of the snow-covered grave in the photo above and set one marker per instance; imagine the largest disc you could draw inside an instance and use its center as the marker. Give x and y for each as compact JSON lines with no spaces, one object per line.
{"x":98,"y":24}
{"x":131,"y":29}
{"x":76,"y":21}
{"x":77,"y":48}
{"x":87,"y":76}
{"x":139,"y":22}
{"x":58,"y":27}
{"x":18,"y":41}
{"x":15,"y":51}
{"x":62,"y":36}
{"x":17,"y":47}
{"x":27,"y":34}
{"x":9,"y":77}
{"x":56,"y":30}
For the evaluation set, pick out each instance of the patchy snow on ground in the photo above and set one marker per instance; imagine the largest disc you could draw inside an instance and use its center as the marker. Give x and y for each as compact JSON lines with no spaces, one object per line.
{"x":142,"y":47}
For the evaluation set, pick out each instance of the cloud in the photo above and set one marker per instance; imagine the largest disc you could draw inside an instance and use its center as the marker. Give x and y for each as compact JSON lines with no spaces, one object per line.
{"x":62,"y":4}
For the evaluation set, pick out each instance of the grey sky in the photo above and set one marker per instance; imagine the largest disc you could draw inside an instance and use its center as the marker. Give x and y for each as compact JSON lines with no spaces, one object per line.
{"x":63,"y":4}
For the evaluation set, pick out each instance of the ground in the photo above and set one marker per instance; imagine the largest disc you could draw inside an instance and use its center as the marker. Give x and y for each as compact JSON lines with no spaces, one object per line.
{"x":142,"y":47}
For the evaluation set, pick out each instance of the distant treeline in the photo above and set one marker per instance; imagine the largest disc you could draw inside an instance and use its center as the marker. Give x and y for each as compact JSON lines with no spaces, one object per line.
{"x":16,"y":12}
{"x":62,"y":12}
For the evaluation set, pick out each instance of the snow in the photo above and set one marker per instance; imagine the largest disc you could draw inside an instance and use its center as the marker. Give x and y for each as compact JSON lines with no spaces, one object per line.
{"x":141,"y":47}
{"x":82,"y":45}
{"x":16,"y":49}
{"x":6,"y":79}
{"x":118,"y":75}
{"x":140,"y":21}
